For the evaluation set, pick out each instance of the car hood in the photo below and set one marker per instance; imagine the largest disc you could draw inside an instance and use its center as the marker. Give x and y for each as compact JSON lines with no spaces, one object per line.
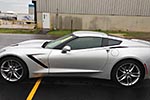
{"x":33,"y":43}
{"x":29,"y":44}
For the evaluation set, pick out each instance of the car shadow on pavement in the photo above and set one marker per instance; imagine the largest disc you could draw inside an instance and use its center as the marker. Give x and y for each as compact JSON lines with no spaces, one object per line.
{"x":89,"y":89}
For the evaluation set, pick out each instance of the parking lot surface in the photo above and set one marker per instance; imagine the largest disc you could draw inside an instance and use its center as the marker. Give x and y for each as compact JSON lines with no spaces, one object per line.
{"x":89,"y":89}
{"x":61,"y":88}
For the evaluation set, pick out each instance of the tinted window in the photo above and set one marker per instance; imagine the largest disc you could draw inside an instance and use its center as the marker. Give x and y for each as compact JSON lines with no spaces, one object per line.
{"x":112,"y":42}
{"x":83,"y":43}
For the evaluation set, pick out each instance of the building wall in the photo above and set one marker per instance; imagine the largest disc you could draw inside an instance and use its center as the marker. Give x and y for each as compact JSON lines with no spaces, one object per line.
{"x":39,"y":20}
{"x":98,"y":22}
{"x":124,"y":15}
{"x":96,"y":7}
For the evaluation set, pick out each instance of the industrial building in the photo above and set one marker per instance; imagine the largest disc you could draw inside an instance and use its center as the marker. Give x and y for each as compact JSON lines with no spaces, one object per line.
{"x":122,"y":15}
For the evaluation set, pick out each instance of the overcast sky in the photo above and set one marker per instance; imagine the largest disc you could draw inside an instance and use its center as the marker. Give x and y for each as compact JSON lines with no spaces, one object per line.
{"x":18,"y":6}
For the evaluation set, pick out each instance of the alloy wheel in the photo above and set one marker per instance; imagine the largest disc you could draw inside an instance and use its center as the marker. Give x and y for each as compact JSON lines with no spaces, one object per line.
{"x":11,"y":70}
{"x":128,"y":74}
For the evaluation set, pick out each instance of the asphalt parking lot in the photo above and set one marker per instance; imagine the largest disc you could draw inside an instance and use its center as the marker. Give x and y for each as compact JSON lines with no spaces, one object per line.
{"x":61,"y":88}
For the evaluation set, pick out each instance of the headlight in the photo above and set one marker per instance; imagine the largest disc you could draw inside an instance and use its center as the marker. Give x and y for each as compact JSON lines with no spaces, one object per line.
{"x":2,"y":50}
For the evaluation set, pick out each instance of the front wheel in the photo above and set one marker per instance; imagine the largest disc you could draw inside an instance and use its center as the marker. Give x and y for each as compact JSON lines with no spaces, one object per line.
{"x":127,"y":73}
{"x":13,"y":69}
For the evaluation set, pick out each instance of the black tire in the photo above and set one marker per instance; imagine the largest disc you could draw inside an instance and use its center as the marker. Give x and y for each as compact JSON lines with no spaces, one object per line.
{"x":128,"y":73}
{"x":13,"y":69}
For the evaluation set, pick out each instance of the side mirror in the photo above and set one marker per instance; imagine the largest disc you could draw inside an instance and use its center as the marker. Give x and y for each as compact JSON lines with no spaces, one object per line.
{"x":65,"y":49}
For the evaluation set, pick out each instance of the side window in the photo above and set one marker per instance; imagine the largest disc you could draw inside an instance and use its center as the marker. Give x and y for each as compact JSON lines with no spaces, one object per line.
{"x":112,"y":42}
{"x":84,"y":43}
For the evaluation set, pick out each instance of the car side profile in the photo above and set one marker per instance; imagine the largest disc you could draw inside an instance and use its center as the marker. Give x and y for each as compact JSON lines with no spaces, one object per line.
{"x":80,"y":54}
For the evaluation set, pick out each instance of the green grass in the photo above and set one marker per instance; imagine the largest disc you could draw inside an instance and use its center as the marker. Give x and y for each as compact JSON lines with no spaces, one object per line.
{"x":138,"y":35}
{"x":22,"y":31}
{"x":59,"y":33}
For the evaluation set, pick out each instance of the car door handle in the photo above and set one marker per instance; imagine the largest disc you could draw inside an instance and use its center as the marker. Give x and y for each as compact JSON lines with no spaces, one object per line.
{"x":107,"y":49}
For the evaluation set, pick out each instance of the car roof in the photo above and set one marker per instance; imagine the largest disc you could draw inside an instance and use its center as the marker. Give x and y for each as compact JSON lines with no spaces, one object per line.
{"x":89,"y":33}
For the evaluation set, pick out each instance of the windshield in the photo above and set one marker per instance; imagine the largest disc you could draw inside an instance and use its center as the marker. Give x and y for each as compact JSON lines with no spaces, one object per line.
{"x":58,"y":41}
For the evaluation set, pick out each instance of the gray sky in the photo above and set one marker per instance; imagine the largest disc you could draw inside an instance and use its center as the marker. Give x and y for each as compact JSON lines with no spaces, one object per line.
{"x":18,"y":6}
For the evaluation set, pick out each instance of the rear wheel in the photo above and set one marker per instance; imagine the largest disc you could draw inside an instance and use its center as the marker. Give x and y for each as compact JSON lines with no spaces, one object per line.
{"x":127,"y":73}
{"x":13,"y":69}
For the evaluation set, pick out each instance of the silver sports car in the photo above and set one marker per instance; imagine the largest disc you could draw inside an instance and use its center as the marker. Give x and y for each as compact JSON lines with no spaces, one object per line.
{"x":80,"y":54}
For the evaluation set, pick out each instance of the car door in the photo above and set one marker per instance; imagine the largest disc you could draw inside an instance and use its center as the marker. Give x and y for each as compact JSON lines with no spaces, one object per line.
{"x":86,"y":55}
